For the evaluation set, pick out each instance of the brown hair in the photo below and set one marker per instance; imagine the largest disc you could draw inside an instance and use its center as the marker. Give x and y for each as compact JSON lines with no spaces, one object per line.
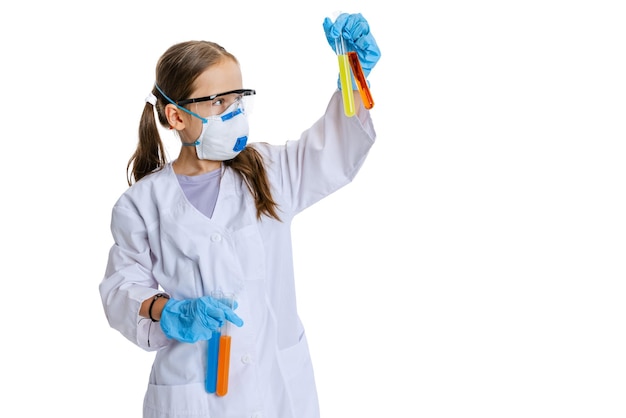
{"x":176,"y":71}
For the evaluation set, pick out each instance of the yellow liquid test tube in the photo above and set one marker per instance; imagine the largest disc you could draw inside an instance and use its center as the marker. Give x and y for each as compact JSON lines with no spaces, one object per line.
{"x":345,"y":77}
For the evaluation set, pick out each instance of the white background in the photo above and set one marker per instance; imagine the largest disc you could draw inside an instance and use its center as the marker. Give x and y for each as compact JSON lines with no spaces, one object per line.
{"x":474,"y":268}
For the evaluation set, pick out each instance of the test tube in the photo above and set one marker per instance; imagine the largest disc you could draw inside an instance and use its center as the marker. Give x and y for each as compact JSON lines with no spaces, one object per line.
{"x":361,"y":82}
{"x":223,"y":362}
{"x":212,"y":360}
{"x":345,"y":78}
{"x":213,"y":345}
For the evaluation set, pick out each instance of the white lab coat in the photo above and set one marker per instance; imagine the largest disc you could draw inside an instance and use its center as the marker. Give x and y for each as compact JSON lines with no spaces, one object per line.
{"x":162,"y":241}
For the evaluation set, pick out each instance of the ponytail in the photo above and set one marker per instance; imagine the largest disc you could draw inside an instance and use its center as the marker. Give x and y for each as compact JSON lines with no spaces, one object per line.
{"x":150,"y":153}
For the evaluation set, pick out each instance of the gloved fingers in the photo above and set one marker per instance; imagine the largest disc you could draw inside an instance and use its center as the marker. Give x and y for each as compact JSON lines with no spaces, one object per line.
{"x":233,"y":317}
{"x":336,"y":28}
{"x":353,"y":27}
{"x":194,"y":334}
{"x":184,"y":329}
{"x":209,"y":304}
{"x":355,"y":30}
{"x":368,"y":57}
{"x":192,"y":320}
{"x":229,"y":313}
{"x":226,"y":302}
{"x":211,"y":312}
{"x":366,"y":44}
{"x":219,"y":310}
{"x":332,"y":33}
{"x":338,"y":25}
{"x":210,"y":322}
{"x":357,"y":34}
{"x":328,"y":25}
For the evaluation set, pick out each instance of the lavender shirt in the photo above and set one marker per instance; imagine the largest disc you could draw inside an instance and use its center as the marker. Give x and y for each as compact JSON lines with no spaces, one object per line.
{"x":202,"y":190}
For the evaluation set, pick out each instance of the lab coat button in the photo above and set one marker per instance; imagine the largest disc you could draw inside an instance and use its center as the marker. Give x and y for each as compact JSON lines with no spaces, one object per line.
{"x":216,"y":237}
{"x":245,"y":359}
{"x":257,"y":415}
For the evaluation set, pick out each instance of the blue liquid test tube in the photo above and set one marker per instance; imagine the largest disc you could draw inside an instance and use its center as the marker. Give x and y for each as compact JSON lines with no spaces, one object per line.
{"x":213,"y":347}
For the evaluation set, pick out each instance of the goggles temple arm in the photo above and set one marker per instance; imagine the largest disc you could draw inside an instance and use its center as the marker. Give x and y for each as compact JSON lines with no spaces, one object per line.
{"x":204,"y":120}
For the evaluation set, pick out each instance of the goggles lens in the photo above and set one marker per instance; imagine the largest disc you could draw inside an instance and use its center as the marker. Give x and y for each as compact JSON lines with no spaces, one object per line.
{"x":219,"y":103}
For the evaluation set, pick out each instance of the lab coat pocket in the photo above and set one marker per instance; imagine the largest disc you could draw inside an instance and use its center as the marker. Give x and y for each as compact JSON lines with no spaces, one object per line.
{"x":177,"y":401}
{"x":250,"y":252}
{"x":297,"y":371}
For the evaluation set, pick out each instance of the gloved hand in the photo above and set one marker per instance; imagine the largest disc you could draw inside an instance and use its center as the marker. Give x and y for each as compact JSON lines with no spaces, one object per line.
{"x":356,"y":34}
{"x":192,"y":320}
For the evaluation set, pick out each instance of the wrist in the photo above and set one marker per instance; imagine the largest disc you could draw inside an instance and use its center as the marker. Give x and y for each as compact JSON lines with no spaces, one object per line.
{"x":156,"y":306}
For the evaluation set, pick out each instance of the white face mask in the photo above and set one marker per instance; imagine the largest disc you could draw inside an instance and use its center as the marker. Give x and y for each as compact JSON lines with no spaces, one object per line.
{"x":223,"y":136}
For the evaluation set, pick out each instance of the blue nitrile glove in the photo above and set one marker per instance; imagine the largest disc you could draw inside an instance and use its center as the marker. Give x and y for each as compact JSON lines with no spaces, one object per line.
{"x":356,"y":34}
{"x":192,"y":320}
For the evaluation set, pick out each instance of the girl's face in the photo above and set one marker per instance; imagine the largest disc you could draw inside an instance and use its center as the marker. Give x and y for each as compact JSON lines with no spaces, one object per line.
{"x":222,"y":77}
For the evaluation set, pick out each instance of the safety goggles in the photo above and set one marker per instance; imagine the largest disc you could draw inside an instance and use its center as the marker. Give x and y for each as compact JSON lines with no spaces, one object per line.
{"x":216,"y":104}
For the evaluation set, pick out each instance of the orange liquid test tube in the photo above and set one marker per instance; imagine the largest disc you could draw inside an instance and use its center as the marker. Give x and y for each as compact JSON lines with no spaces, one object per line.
{"x":223,"y":355}
{"x":223,"y":366}
{"x":361,"y":82}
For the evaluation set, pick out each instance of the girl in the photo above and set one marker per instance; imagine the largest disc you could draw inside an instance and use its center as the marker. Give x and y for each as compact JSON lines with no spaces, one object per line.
{"x":217,"y":219}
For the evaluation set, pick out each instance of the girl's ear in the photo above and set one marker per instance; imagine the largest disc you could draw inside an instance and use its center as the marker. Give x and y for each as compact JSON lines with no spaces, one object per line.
{"x":174,"y":117}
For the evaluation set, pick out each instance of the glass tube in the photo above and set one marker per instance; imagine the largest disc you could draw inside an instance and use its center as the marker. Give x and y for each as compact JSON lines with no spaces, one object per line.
{"x":212,"y":360}
{"x":361,"y":82}
{"x":345,"y":78}
{"x":223,"y":360}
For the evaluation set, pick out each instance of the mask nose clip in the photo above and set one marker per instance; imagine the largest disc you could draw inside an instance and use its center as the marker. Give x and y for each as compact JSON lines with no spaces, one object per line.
{"x":232,"y":114}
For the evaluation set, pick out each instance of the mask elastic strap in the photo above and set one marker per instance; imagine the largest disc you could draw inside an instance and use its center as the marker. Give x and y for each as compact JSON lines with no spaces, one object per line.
{"x":204,"y":120}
